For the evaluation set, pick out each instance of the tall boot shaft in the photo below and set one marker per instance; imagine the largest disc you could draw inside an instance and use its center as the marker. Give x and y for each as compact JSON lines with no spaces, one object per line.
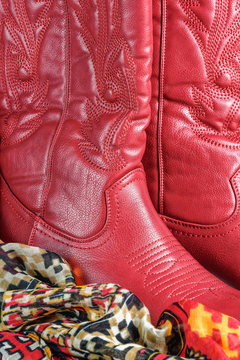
{"x":193,"y":152}
{"x":76,"y":91}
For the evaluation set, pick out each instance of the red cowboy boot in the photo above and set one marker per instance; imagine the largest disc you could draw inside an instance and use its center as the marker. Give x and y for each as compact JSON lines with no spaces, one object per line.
{"x":193,"y":152}
{"x":76,"y":91}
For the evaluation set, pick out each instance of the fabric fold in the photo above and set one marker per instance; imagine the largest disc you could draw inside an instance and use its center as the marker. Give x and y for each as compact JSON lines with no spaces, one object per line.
{"x":45,"y":315}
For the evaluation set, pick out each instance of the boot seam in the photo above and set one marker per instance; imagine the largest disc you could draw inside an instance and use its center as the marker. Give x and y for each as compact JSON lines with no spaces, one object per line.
{"x":33,"y":232}
{"x":84,"y":241}
{"x":160,"y":110}
{"x":48,"y":179}
{"x":15,"y":210}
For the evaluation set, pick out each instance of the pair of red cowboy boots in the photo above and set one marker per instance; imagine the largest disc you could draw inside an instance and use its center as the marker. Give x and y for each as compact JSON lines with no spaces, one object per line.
{"x":75,"y":82}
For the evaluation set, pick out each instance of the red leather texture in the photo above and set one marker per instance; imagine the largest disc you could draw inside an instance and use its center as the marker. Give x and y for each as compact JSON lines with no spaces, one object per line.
{"x":73,"y":140}
{"x":133,"y":249}
{"x":195,"y":130}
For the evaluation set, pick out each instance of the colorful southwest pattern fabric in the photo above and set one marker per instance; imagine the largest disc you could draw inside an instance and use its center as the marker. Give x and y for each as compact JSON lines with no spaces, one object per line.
{"x":45,"y":315}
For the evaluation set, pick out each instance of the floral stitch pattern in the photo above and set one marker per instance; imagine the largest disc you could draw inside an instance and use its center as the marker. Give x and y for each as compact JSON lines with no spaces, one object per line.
{"x":217,"y":101}
{"x":114,"y":74}
{"x":23,"y":92}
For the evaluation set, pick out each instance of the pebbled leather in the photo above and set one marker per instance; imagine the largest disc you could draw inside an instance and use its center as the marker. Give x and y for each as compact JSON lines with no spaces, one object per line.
{"x":72,"y":180}
{"x":195,"y":129}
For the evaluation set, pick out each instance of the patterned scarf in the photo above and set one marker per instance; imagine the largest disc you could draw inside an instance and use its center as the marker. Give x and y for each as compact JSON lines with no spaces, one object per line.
{"x":45,"y":315}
